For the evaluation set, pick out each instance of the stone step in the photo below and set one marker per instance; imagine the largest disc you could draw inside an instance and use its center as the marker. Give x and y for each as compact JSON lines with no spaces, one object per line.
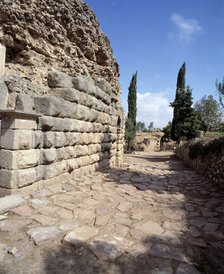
{"x":9,"y":202}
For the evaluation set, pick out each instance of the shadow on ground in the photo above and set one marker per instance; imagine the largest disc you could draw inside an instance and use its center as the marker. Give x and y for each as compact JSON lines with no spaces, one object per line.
{"x":202,"y":249}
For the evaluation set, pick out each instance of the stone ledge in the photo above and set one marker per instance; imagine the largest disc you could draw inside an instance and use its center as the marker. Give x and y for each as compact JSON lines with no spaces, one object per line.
{"x":19,"y":114}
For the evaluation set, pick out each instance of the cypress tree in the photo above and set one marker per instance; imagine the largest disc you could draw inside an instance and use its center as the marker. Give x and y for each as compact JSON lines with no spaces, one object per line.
{"x":130,"y":125}
{"x":186,"y":120}
{"x":180,"y":90}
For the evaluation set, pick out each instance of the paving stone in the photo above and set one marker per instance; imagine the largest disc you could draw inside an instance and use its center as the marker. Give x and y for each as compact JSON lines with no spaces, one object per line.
{"x":23,"y":210}
{"x":42,"y":193}
{"x":36,"y":203}
{"x":150,"y":228}
{"x":45,"y":220}
{"x":9,"y":202}
{"x":123,"y":207}
{"x":171,"y":237}
{"x":107,"y":251}
{"x":168,"y":252}
{"x":41,"y":235}
{"x":21,"y":249}
{"x":80,"y":235}
{"x":2,"y":252}
{"x":211,"y":227}
{"x":83,"y":214}
{"x":12,"y":225}
{"x":68,"y":225}
{"x":102,"y":220}
{"x":163,"y":268}
{"x":187,"y":269}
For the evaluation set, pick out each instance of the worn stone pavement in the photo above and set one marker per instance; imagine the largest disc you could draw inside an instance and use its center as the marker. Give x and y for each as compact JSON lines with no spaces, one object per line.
{"x":154,"y":216}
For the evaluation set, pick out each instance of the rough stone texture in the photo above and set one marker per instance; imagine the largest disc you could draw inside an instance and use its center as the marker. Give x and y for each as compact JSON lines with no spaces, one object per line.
{"x":41,"y":235}
{"x":10,"y":202}
{"x":211,"y":165}
{"x":3,"y":95}
{"x":180,"y":228}
{"x":58,"y":34}
{"x":80,"y":234}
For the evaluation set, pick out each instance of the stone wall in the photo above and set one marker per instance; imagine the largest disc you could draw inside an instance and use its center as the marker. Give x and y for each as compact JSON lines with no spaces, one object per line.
{"x":210,"y":165}
{"x":75,"y":129}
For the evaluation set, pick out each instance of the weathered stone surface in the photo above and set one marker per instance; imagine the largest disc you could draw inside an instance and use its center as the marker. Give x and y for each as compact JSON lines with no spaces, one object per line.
{"x":2,"y":60}
{"x":82,"y":49}
{"x":80,"y":235}
{"x":10,"y":202}
{"x":150,"y":228}
{"x":105,"y":250}
{"x":16,"y":140}
{"x":18,"y":123}
{"x":26,"y":176}
{"x":58,"y":79}
{"x":41,"y":235}
{"x":23,"y":210}
{"x":187,"y":269}
{"x":21,"y":249}
{"x":2,"y":252}
{"x":24,"y":102}
{"x":168,"y":252}
{"x":8,"y":178}
{"x":3,"y":92}
{"x":49,"y":155}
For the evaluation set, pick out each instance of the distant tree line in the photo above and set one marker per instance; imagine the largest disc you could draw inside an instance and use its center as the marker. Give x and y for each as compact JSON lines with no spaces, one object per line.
{"x":205,"y":115}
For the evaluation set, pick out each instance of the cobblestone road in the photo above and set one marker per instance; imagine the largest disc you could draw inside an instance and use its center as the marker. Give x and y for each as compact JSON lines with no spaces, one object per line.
{"x":154,"y":216}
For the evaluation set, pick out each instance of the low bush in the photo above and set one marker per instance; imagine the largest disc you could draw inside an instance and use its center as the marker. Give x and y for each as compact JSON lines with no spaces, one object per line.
{"x":202,"y":148}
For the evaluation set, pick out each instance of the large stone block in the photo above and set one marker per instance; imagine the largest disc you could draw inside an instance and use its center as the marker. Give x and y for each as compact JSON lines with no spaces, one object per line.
{"x":58,"y":79}
{"x":47,"y":105}
{"x":2,"y":60}
{"x":24,"y":102}
{"x":49,"y":155}
{"x":84,"y":85}
{"x":19,"y":159}
{"x":38,"y":139}
{"x":49,"y":139}
{"x":81,"y":150}
{"x":26,"y":177}
{"x":46,"y":123}
{"x":104,"y":85}
{"x":16,"y":139}
{"x":27,"y":158}
{"x":68,"y":94}
{"x":72,"y":138}
{"x":18,"y":123}
{"x":72,"y":165}
{"x":83,"y":161}
{"x":8,"y":178}
{"x":3,"y":91}
{"x":59,"y":139}
{"x":70,"y":152}
{"x":62,"y":124}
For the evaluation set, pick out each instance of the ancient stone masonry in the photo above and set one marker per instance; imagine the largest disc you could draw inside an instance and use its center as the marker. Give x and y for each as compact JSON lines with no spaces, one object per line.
{"x":59,"y":94}
{"x":65,"y":35}
{"x":75,"y":129}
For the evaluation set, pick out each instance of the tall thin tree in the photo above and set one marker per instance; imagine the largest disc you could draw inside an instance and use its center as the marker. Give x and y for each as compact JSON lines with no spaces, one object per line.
{"x":130,"y":125}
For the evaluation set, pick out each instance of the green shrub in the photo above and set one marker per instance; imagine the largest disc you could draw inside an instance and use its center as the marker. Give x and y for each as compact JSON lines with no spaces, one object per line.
{"x":202,"y":148}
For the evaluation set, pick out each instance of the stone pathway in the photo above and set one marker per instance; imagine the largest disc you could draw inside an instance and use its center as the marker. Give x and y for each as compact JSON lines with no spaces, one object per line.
{"x":153,"y":217}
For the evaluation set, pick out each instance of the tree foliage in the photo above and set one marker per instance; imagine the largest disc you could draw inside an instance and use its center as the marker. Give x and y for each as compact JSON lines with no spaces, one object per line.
{"x":186,"y":121}
{"x":167,"y":130}
{"x":140,"y":126}
{"x":220,"y":89}
{"x":130,"y":125}
{"x":210,"y":112}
